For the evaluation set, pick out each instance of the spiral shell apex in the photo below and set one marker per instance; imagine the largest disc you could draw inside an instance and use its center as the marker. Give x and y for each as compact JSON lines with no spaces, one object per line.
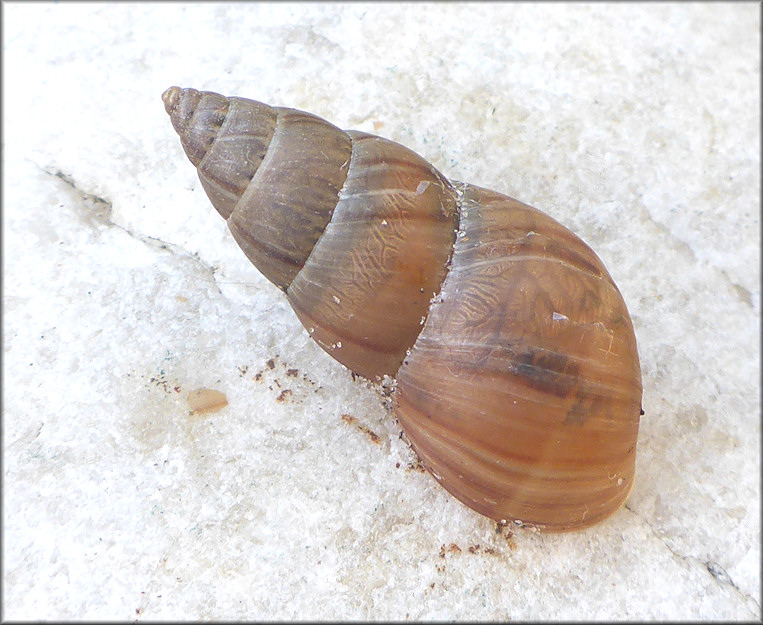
{"x":517,"y":375}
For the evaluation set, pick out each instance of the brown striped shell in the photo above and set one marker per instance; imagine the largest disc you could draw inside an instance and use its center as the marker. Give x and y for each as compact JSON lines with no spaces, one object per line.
{"x":517,"y":376}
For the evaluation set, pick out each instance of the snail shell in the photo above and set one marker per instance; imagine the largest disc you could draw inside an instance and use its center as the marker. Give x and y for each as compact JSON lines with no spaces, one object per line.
{"x":517,"y":375}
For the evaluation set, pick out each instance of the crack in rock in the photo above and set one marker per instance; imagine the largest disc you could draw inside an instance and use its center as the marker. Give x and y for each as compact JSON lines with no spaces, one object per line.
{"x":98,"y":211}
{"x":712,"y":567}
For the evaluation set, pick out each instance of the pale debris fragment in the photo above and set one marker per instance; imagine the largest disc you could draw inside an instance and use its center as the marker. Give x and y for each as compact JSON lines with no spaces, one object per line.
{"x":204,"y":400}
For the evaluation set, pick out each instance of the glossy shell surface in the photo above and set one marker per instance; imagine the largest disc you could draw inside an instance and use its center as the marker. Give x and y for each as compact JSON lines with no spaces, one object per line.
{"x":517,"y":374}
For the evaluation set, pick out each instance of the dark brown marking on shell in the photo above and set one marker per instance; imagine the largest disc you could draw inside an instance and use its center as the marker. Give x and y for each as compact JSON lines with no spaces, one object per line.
{"x":546,"y":370}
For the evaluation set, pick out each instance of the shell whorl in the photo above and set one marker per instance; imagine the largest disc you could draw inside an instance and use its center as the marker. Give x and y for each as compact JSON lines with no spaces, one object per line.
{"x":521,"y":397}
{"x":518,"y":379}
